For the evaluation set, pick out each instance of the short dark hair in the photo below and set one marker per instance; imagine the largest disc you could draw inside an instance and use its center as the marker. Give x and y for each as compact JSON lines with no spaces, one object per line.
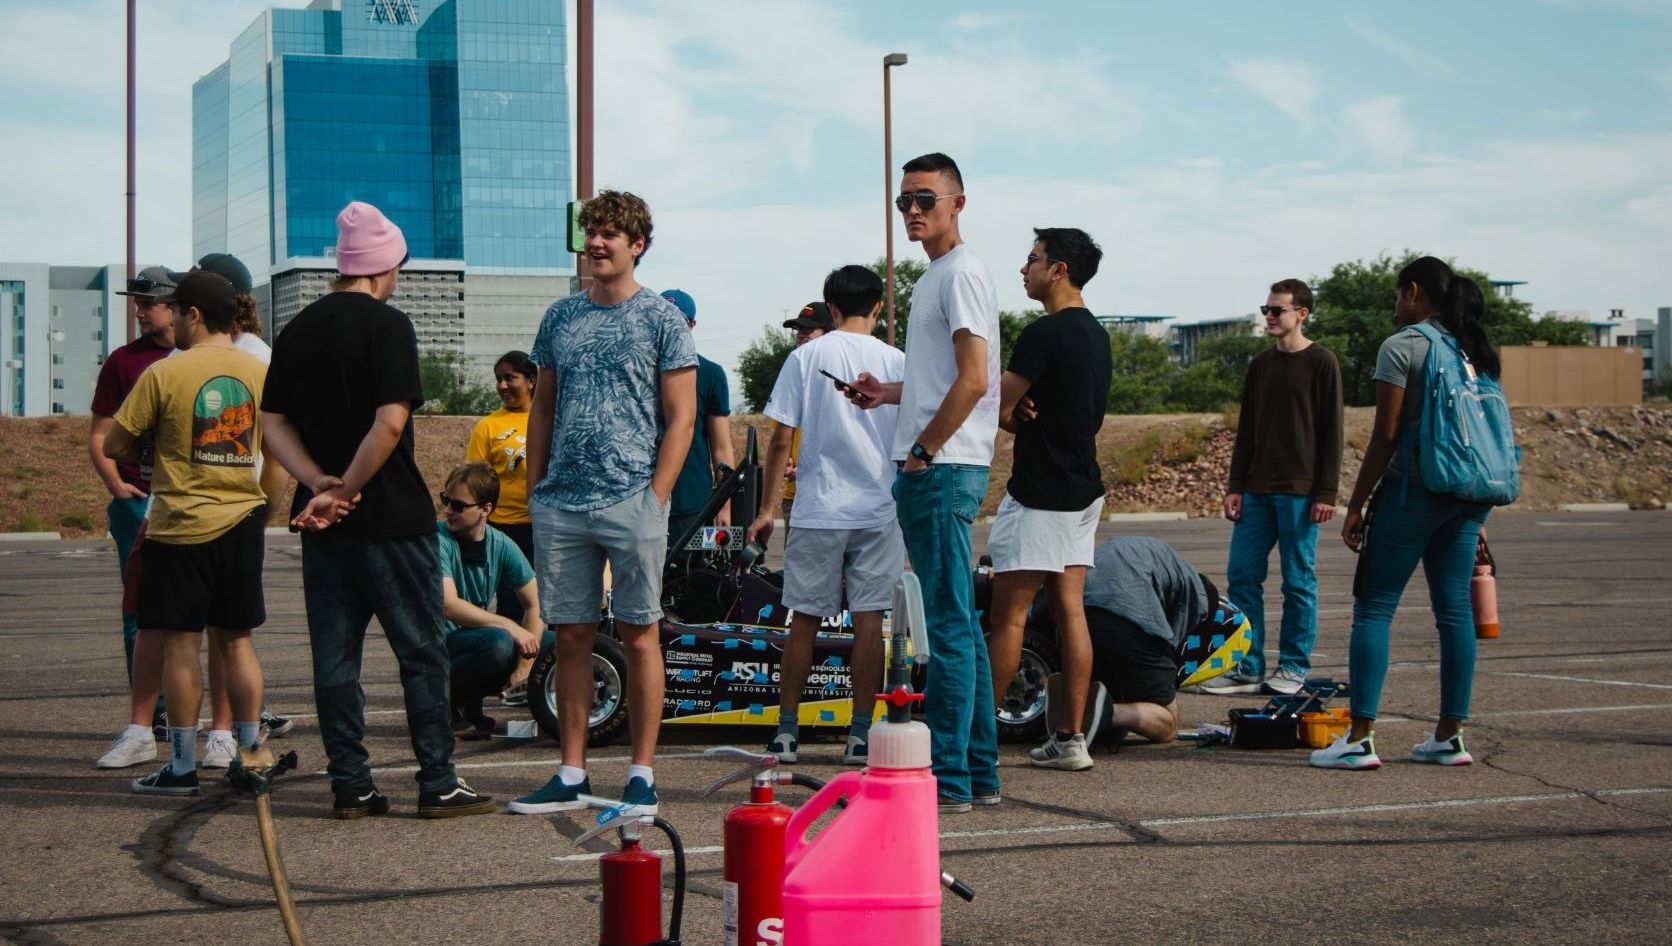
{"x":519,"y":362}
{"x":1074,"y":249}
{"x":1297,"y":289}
{"x":479,"y":479}
{"x":935,"y":161}
{"x":852,"y":290}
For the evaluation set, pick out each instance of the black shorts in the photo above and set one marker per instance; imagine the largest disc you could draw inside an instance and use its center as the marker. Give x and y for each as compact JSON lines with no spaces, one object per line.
{"x":1135,"y":666}
{"x":215,"y":583}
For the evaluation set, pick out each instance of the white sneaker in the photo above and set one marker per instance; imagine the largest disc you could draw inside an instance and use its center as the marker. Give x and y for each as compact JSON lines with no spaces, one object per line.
{"x":1235,"y":683}
{"x":1450,"y":752}
{"x":130,"y":748}
{"x":1070,"y":756}
{"x":1285,"y":682}
{"x":219,"y":749}
{"x":1342,"y":754}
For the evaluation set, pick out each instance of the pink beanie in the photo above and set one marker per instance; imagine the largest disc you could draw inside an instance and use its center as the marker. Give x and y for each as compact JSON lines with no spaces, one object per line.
{"x":367,"y":242}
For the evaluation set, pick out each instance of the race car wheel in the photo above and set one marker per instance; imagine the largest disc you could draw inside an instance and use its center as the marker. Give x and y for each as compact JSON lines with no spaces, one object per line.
{"x":1022,"y":712}
{"x":608,"y":720}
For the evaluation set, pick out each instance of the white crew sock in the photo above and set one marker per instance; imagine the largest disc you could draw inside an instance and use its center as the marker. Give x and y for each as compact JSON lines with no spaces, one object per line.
{"x":571,"y":775}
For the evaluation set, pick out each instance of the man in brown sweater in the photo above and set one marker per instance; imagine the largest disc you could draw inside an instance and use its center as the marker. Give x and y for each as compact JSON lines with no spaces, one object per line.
{"x":1284,"y":475}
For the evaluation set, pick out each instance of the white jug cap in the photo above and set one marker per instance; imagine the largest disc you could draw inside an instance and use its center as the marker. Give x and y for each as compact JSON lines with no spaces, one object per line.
{"x":898,"y":746}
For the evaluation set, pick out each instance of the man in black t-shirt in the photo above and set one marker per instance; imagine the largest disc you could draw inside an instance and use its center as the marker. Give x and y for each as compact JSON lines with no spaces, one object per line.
{"x":336,"y":412}
{"x":1052,"y":397}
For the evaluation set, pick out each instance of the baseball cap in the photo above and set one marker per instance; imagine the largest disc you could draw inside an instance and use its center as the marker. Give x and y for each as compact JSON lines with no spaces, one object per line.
{"x":683,"y":302}
{"x":211,"y":293}
{"x":153,"y":282}
{"x":812,"y":315}
{"x":229,"y":266}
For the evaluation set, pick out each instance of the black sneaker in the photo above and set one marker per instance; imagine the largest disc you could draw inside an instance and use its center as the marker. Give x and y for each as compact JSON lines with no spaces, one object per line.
{"x":349,"y":805}
{"x":471,"y":725}
{"x":165,"y":782}
{"x":159,"y":724}
{"x":456,"y":802}
{"x":277,"y":726}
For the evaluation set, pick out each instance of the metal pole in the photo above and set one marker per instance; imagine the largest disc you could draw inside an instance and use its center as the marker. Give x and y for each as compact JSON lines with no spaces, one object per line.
{"x":130,"y":320}
{"x":888,"y":194}
{"x":583,"y":120}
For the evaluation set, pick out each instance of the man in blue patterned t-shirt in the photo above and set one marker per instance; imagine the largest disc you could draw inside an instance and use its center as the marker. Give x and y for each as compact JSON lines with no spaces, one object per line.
{"x":614,"y":410}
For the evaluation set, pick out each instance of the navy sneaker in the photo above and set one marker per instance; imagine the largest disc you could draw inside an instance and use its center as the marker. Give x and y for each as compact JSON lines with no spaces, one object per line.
{"x":277,"y":726}
{"x":552,"y":797}
{"x":642,"y":795}
{"x":858,"y":750}
{"x":456,"y":802}
{"x":784,"y":746}
{"x":165,"y":782}
{"x":952,"y":805}
{"x":349,"y":805}
{"x":986,"y":798}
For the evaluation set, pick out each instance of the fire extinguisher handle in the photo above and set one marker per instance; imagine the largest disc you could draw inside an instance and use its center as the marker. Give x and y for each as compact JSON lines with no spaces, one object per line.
{"x":796,"y":844}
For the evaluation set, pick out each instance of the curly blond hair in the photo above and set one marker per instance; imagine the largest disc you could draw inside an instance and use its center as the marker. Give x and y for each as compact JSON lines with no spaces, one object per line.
{"x":621,"y":210}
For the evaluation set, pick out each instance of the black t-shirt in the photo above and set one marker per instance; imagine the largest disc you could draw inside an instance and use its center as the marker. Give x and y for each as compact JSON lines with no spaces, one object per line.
{"x":1065,"y":357}
{"x":333,"y":366}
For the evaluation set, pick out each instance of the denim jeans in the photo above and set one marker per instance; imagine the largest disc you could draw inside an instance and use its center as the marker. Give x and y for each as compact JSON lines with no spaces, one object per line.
{"x":482,"y":659}
{"x":1283,"y":520}
{"x":125,"y":516}
{"x":936,"y":508}
{"x":345,"y":582}
{"x":1441,"y":532}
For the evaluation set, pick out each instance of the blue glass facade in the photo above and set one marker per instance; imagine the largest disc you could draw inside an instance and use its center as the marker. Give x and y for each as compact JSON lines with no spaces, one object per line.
{"x":452,"y":118}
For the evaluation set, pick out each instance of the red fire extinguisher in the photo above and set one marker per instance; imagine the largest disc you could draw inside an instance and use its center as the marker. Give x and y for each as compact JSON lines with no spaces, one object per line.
{"x":630,"y":911}
{"x":754,"y":836}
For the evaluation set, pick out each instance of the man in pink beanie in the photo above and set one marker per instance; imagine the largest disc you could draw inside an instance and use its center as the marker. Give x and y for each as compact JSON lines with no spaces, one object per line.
{"x":336,"y":412}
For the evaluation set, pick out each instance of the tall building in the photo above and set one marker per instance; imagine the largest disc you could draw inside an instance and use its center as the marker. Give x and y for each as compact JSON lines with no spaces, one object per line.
{"x":57,"y":323}
{"x":451,"y":117}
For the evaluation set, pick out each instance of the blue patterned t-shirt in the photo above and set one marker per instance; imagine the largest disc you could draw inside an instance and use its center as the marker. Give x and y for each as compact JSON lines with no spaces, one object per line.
{"x":608,"y":424}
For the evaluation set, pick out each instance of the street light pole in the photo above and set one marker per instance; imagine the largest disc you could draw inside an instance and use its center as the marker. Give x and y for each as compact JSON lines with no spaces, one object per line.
{"x":892,"y":59}
{"x":583,"y":122}
{"x":129,"y":300}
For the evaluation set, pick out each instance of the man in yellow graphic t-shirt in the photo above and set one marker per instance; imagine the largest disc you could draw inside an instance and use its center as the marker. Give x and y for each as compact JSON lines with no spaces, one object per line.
{"x":202,"y":558}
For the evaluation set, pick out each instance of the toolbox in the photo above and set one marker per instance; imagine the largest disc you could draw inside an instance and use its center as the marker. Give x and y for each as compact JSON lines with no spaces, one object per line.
{"x":1279,"y":723}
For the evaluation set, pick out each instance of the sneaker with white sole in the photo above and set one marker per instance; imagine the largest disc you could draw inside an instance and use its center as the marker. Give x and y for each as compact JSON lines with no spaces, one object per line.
{"x":950,"y":805}
{"x":1285,"y":682}
{"x":1342,"y":754}
{"x":165,"y":782}
{"x":277,"y":726}
{"x":554,"y":796}
{"x":457,"y":802}
{"x":857,"y":752}
{"x":1235,"y":683}
{"x":219,"y":749}
{"x":133,"y":746}
{"x":784,"y":746}
{"x":1068,"y":755}
{"x":1450,"y":752}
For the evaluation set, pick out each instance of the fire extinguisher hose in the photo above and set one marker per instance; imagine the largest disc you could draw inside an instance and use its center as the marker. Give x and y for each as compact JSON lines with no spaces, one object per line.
{"x":678,"y":848}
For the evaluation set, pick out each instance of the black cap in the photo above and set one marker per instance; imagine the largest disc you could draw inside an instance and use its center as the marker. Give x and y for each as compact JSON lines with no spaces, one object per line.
{"x":211,"y":293}
{"x":229,"y":266}
{"x":812,"y":315}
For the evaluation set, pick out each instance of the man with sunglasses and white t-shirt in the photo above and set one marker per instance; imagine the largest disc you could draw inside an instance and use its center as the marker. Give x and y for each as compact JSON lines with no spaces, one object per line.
{"x":949,"y":415}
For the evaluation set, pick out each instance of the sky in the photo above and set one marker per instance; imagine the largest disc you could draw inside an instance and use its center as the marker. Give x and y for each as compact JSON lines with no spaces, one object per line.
{"x":1211,"y":148}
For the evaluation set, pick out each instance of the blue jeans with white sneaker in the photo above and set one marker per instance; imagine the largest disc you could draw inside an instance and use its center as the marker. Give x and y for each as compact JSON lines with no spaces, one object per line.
{"x":1283,"y":520}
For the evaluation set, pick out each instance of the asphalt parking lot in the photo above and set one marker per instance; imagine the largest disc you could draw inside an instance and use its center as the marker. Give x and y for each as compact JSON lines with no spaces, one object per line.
{"x":1558,"y":834}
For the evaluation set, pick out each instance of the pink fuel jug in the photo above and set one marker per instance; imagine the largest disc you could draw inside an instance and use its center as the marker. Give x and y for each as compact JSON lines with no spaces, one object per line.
{"x":873,"y":874}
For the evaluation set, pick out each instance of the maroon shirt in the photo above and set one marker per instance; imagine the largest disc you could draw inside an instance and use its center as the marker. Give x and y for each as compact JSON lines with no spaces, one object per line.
{"x":118,"y":376}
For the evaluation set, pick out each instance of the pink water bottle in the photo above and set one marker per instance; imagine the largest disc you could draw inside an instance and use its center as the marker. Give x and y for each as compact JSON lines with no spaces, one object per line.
{"x":873,"y":874}
{"x":1483,"y":593}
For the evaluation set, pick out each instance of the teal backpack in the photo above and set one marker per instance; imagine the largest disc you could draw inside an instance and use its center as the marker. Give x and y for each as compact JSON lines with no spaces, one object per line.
{"x":1467,"y":439}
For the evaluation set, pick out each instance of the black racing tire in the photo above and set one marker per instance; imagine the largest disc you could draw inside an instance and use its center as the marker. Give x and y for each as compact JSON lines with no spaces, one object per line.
{"x":608,"y":721}
{"x":1021,"y":716}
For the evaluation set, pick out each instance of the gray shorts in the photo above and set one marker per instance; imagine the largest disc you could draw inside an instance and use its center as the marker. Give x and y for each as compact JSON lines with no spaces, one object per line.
{"x":569,"y":553}
{"x":818,"y":561}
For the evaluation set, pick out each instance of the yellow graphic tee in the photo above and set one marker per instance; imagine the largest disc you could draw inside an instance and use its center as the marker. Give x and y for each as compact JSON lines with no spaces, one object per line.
{"x":201,"y":409}
{"x":501,"y":440}
{"x":795,"y":457}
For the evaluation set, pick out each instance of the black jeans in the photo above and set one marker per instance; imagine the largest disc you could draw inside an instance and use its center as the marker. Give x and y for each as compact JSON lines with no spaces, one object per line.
{"x":345,"y":582}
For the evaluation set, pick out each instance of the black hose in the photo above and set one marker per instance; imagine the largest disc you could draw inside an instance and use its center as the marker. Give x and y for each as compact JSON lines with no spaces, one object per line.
{"x":806,"y":781}
{"x":678,"y":847}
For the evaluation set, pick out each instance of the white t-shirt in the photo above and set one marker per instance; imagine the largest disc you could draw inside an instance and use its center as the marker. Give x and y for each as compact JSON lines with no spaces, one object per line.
{"x":956,"y":293}
{"x":248,"y":341}
{"x":843,"y":476}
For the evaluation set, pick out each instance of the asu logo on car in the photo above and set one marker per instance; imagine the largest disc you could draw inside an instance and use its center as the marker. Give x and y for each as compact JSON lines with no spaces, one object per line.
{"x":223,"y":423}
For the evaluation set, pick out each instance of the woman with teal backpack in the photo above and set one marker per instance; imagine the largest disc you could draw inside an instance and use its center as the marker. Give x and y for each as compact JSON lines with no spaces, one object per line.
{"x":1441,"y":344}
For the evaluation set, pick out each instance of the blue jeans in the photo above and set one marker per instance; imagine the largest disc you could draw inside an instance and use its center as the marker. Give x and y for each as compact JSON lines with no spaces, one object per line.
{"x":482,"y":659}
{"x":1441,"y":532}
{"x":1283,"y":520}
{"x":125,"y":516}
{"x":345,"y":582}
{"x":936,"y":508}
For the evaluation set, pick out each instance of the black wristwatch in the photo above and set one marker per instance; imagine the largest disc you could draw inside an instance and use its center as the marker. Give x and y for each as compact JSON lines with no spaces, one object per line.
{"x":922,"y":453}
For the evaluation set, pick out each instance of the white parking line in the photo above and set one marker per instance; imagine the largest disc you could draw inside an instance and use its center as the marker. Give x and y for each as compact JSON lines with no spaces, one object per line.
{"x":1552,"y":676}
{"x":551,"y":763}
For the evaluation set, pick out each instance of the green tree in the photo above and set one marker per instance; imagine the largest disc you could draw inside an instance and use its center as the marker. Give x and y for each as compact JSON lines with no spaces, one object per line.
{"x":906,"y":274}
{"x":1554,"y":331}
{"x":1010,"y":329}
{"x":1143,"y":369}
{"x":760,"y":363}
{"x":448,"y":390}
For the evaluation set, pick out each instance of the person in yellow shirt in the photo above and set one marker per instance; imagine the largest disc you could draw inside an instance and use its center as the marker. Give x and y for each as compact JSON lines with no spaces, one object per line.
{"x":501,"y":441}
{"x":811,"y":322}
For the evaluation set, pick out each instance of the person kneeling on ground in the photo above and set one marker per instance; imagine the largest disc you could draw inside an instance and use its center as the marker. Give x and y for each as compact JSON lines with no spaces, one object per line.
{"x":478,"y":563}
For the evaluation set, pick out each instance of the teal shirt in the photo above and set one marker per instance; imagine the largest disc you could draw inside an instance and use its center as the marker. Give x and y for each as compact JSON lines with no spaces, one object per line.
{"x":504,"y":567}
{"x":696,"y":478}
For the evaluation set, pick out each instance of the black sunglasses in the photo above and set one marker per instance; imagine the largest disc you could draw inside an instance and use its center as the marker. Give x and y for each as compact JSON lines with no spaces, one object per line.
{"x":145,"y":286}
{"x":449,"y":503}
{"x":925,"y":200}
{"x":1276,"y":309}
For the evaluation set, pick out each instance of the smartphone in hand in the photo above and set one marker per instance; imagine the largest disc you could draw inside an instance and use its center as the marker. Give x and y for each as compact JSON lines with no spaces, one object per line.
{"x":845,"y":387}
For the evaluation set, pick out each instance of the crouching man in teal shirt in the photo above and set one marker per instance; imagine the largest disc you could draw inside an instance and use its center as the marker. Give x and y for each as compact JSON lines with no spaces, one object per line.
{"x":477,"y":563}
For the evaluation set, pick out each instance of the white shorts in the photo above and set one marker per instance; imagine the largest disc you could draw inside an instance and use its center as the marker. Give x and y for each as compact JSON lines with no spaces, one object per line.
{"x":818,"y":561}
{"x":1042,"y":540}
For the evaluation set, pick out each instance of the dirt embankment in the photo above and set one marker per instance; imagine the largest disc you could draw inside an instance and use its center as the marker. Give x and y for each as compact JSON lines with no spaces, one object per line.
{"x":1150,"y":462}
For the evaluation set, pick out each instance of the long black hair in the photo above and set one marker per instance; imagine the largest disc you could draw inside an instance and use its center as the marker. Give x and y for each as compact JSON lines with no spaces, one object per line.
{"x":520,"y":363}
{"x":1459,"y":307}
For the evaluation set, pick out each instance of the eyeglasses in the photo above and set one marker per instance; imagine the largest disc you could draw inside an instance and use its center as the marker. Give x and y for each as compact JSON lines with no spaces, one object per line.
{"x":1032,"y":259}
{"x":1277,"y":309}
{"x":925,"y":200}
{"x":456,"y":505}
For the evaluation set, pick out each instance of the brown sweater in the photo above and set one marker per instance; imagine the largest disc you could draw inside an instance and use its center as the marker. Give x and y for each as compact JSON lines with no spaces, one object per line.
{"x":1289,"y":433}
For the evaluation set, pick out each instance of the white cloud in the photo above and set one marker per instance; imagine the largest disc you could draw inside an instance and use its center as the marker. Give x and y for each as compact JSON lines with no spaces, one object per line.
{"x":974,"y":22}
{"x":1290,"y":87}
{"x":1380,"y":125}
{"x":1422,"y":62}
